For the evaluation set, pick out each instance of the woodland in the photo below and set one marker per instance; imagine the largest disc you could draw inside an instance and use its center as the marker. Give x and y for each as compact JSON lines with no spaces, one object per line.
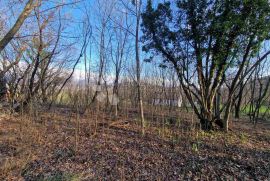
{"x":134,"y":90}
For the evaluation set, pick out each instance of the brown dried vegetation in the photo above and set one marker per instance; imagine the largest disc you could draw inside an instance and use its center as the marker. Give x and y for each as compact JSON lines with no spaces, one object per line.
{"x":53,"y":146}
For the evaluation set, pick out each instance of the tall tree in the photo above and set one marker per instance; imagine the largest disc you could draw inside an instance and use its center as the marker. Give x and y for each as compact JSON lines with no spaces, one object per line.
{"x":138,"y":5}
{"x":203,"y":40}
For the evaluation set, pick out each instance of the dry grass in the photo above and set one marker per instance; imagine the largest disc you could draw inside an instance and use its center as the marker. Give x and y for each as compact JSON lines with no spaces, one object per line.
{"x":53,"y":146}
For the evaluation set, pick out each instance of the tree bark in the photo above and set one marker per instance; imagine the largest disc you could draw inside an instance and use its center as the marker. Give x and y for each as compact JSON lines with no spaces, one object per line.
{"x":138,"y":69}
{"x":239,"y":101}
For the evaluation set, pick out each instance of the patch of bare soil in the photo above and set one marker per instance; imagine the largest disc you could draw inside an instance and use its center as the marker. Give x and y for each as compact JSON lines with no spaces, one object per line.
{"x":54,"y":147}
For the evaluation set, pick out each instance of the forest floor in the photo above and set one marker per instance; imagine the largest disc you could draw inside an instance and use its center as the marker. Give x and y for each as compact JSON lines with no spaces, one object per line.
{"x":60,"y":146}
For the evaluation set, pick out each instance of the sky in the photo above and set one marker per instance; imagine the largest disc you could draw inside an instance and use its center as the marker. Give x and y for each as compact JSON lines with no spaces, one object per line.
{"x":74,"y":15}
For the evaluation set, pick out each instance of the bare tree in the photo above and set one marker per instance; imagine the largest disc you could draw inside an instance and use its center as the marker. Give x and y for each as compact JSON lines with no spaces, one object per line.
{"x":104,"y":12}
{"x":259,"y":92}
{"x":15,"y":28}
{"x":138,"y":5}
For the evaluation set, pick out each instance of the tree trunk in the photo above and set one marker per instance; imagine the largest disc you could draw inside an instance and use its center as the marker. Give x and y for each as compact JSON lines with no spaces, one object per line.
{"x":237,"y":110}
{"x":226,"y":117}
{"x":217,"y":105}
{"x":206,"y":124}
{"x":138,"y":69}
{"x":239,"y":101}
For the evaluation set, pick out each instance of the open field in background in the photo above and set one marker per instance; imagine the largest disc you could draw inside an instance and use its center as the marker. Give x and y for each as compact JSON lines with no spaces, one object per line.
{"x":264,"y":110}
{"x":62,"y":145}
{"x":113,"y":90}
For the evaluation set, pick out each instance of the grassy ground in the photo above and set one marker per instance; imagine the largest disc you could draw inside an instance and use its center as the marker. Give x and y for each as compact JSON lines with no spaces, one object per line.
{"x":262,"y":110}
{"x":59,"y":146}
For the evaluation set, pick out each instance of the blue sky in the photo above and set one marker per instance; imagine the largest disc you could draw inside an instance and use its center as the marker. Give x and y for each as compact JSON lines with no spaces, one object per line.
{"x":77,"y":12}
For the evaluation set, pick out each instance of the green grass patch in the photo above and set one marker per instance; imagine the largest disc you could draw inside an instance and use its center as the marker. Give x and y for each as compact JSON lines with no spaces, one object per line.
{"x":263,"y":109}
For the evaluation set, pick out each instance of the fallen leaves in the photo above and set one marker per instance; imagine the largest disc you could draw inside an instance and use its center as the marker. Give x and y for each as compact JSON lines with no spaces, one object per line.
{"x":119,"y":152}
